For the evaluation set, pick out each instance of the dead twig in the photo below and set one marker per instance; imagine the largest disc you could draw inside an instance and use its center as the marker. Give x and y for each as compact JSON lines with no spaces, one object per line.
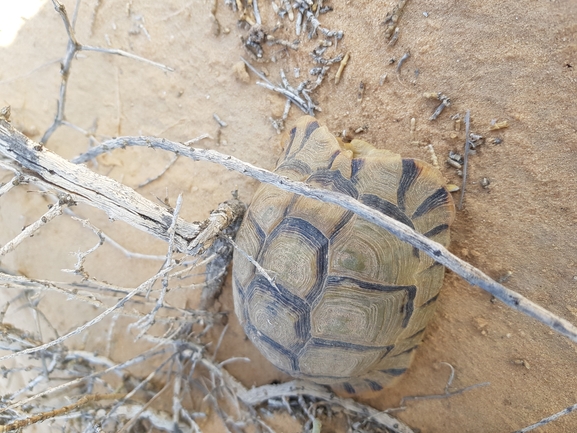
{"x":36,"y":418}
{"x":52,"y":213}
{"x":402,"y":61}
{"x":466,"y":158}
{"x":79,"y":184}
{"x":307,"y":13}
{"x":445,"y":102}
{"x":547,"y":420}
{"x":15,"y":181}
{"x":141,"y":385}
{"x":158,"y":420}
{"x":392,"y":19}
{"x":286,"y":90}
{"x":147,"y":321}
{"x":403,"y":232}
{"x":155,"y":351}
{"x":222,"y":249}
{"x":141,"y":288}
{"x":74,"y":47}
{"x":275,"y":41}
{"x":278,"y":124}
{"x":297,"y":388}
{"x":446,"y":393}
{"x":81,"y":256}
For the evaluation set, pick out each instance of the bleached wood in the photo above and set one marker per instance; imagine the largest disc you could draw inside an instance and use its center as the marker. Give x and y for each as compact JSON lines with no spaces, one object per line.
{"x":295,"y":388}
{"x":52,"y":213}
{"x":403,"y":232}
{"x":126,"y":204}
{"x":119,"y":201}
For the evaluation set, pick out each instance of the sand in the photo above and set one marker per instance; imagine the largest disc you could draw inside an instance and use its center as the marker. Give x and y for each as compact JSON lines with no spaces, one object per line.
{"x":513,"y":61}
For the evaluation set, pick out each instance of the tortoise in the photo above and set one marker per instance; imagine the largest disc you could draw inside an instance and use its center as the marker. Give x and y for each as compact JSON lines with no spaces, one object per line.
{"x":340,"y":301}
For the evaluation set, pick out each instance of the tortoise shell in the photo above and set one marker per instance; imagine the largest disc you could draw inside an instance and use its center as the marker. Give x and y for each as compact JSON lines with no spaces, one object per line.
{"x":350,"y":302}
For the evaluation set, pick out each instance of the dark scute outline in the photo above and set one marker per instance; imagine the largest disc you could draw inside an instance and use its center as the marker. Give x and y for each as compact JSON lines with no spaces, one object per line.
{"x":294,"y":164}
{"x":289,"y":208}
{"x":303,"y":331}
{"x":252,"y":333}
{"x":240,"y":290}
{"x":436,"y":230}
{"x":333,"y":157}
{"x":284,"y":296}
{"x":336,"y":280}
{"x":299,"y":225}
{"x":321,"y":342}
{"x":308,"y":130}
{"x":344,"y":220}
{"x":387,"y":208}
{"x":394,"y":371}
{"x":409,"y":307}
{"x":356,"y":166}
{"x":292,"y":134}
{"x":439,"y":198}
{"x":409,"y":350}
{"x":389,"y":349}
{"x":259,"y":231}
{"x":317,"y":240}
{"x":348,"y":388}
{"x":375,"y":386}
{"x":420,"y":331}
{"x":333,"y":180}
{"x":411,"y":291}
{"x":410,"y":172}
{"x":430,"y":301}
{"x":242,"y":295}
{"x":311,"y":127}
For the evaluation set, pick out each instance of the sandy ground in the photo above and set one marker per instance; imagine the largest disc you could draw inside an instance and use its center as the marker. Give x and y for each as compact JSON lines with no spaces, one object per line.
{"x":505,"y":60}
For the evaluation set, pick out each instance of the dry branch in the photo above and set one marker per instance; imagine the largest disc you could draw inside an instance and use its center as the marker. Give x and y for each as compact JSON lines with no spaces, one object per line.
{"x":101,"y":191}
{"x":447,"y":392}
{"x":67,"y":386}
{"x":117,"y":200}
{"x":124,"y":203}
{"x":142,"y":288}
{"x":466,"y":159}
{"x":433,"y":249}
{"x":547,"y":420}
{"x":52,"y":213}
{"x":297,"y":388}
{"x":72,"y":49}
{"x":36,"y":418}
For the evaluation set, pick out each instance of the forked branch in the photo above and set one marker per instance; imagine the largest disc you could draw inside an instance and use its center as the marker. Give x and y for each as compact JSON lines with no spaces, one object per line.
{"x":117,"y":200}
{"x":74,"y":47}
